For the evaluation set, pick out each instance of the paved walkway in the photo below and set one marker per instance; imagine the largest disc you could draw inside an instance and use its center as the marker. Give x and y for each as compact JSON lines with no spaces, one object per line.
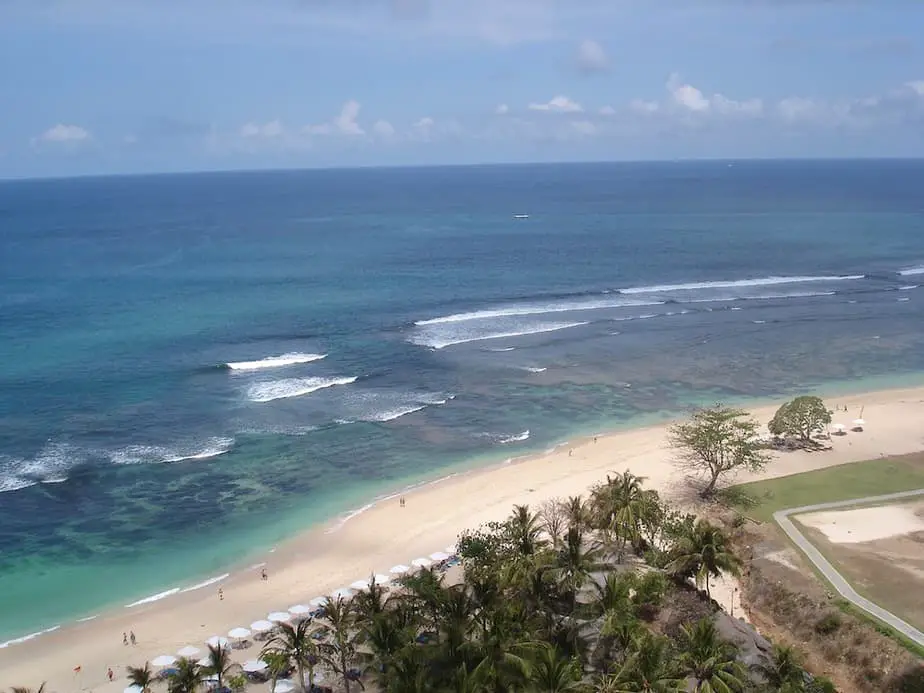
{"x":832,"y":575}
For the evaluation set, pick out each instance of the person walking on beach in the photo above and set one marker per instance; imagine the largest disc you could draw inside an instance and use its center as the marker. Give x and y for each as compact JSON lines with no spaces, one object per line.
{"x":221,"y":594}
{"x":263,"y":575}
{"x":124,"y":638}
{"x":110,"y":674}
{"x":401,"y":501}
{"x":132,"y":637}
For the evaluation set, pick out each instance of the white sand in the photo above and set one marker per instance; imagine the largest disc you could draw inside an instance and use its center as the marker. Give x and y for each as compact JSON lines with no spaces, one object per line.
{"x":325,"y":558}
{"x":864,"y":524}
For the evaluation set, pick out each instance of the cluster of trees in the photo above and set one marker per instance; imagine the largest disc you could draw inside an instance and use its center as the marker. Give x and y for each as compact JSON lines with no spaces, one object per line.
{"x":565,"y":599}
{"x":188,"y":675}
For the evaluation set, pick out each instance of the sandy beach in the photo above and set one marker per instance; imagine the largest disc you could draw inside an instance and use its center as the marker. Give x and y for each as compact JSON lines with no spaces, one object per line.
{"x":335,"y":555}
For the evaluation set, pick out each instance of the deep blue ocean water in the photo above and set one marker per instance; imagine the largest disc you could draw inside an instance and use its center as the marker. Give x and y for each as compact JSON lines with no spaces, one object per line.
{"x":133,"y":459}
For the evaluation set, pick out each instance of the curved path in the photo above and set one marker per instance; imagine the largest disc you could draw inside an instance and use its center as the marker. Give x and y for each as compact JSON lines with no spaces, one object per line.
{"x":832,"y":575}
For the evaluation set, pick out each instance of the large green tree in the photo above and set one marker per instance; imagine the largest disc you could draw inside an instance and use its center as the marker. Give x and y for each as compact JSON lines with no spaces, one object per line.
{"x":187,"y":676}
{"x":716,"y":441}
{"x":143,"y":677}
{"x":801,"y":418}
{"x":702,"y":553}
{"x":709,"y":661}
{"x":296,"y":645}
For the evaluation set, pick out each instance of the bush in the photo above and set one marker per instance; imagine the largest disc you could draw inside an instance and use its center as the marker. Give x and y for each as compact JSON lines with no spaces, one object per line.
{"x":237,"y":683}
{"x":829,"y":623}
{"x":909,"y":680}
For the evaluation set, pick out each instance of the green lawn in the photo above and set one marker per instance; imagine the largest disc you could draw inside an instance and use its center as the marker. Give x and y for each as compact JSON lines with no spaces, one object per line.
{"x":760,"y":499}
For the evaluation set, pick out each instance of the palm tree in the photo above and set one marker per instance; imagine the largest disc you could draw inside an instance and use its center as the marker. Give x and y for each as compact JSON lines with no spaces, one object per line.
{"x":276,"y":665}
{"x":614,"y":595}
{"x":296,"y":645}
{"x":501,"y":666}
{"x":22,"y":689}
{"x":371,"y":602}
{"x":220,"y":663}
{"x":425,"y":592}
{"x":142,"y":677}
{"x":703,"y":552}
{"x":186,"y":677}
{"x":710,"y":661}
{"x":527,"y":530}
{"x":649,"y":668}
{"x":575,"y":561}
{"x":551,"y":672}
{"x":578,"y":514}
{"x":783,"y":672}
{"x":618,"y":506}
{"x":340,"y":652}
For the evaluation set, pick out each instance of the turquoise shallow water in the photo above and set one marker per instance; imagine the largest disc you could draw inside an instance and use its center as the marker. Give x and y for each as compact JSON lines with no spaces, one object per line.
{"x":424,"y":330}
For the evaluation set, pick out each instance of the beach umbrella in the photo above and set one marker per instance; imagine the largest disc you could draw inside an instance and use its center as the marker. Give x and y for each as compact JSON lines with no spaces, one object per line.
{"x":217,"y":641}
{"x":254,"y":666}
{"x":342,"y":593}
{"x":204,"y":662}
{"x":318,"y":601}
{"x":261,"y":626}
{"x":188,"y":651}
{"x":421,"y":563}
{"x":452,"y":550}
{"x":211,"y":678}
{"x":399,"y":569}
{"x":163,"y":661}
{"x":859,"y":423}
{"x":279,"y":617}
{"x":300,"y":610}
{"x":360,"y":585}
{"x":132,"y":689}
{"x":381,"y":579}
{"x":839,"y":428}
{"x":238,"y":633}
{"x":439,"y":556}
{"x":284,"y":686}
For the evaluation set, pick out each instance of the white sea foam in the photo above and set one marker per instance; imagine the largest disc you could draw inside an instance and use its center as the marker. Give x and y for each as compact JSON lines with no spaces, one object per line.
{"x":280,"y":361}
{"x":759,"y":322}
{"x":538,"y":309}
{"x":646,"y":316}
{"x":393,"y":414}
{"x":909,"y":287}
{"x":533,"y":369}
{"x":514,"y":438}
{"x":349,"y":516}
{"x":441,"y":340}
{"x":902,"y":300}
{"x":205,"y":583}
{"x":27,"y":638}
{"x":911,"y":271}
{"x":499,"y":349}
{"x":158,"y":454}
{"x":292,"y":387}
{"x":154,"y":598}
{"x":87,"y":618}
{"x":49,"y":466}
{"x":762,"y":281}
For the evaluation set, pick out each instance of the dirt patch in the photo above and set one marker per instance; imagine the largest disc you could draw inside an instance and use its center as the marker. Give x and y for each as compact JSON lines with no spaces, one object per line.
{"x":859,"y":525}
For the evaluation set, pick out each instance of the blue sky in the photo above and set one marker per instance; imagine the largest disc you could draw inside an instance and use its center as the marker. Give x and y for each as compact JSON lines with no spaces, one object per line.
{"x":113,"y":86}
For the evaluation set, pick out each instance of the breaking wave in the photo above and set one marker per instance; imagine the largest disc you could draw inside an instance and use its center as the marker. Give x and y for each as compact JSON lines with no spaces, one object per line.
{"x":762,"y":281}
{"x":440,"y":339}
{"x":50,"y":466}
{"x":157,"y":454}
{"x":292,"y":387}
{"x":538,"y":309}
{"x":519,"y":437}
{"x":280,"y":361}
{"x":912,"y":271}
{"x":27,"y":638}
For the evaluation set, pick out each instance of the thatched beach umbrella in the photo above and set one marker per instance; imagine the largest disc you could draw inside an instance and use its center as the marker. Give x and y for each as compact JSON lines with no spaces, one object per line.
{"x":317,"y":602}
{"x":300,"y":610}
{"x":218,"y":641}
{"x":284,"y":686}
{"x":254,"y":666}
{"x":858,"y":424}
{"x":238,"y":633}
{"x":381,"y":579}
{"x":439,"y":557}
{"x":342,"y":593}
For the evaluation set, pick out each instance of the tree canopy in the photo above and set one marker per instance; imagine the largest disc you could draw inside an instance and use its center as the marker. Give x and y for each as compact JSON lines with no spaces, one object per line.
{"x":801,"y":418}
{"x":716,"y":441}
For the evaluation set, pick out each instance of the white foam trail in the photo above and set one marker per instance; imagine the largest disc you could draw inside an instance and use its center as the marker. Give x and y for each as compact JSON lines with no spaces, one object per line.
{"x":762,"y":281}
{"x":49,"y":466}
{"x":217,"y":447}
{"x":911,"y":271}
{"x":759,"y":322}
{"x":205,"y":583}
{"x":538,"y":309}
{"x":533,"y":369}
{"x":515,"y":438}
{"x":15,"y":483}
{"x":909,"y":287}
{"x":292,"y":387}
{"x":87,"y":618}
{"x":157,"y":454}
{"x":437,"y":343}
{"x":154,"y":598}
{"x":275,"y":361}
{"x":349,"y":516}
{"x":902,"y":300}
{"x":393,"y":414}
{"x":27,"y":638}
{"x":499,"y":349}
{"x":647,"y":316}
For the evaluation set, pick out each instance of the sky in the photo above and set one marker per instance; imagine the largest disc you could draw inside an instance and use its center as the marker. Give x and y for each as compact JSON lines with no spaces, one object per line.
{"x":137,"y":86}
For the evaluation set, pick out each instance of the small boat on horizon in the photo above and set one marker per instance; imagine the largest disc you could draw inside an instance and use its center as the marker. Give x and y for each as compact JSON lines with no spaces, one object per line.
{"x":521,"y":216}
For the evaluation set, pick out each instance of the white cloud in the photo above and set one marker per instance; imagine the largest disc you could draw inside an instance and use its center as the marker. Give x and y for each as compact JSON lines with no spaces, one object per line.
{"x":917,"y":86}
{"x":689,"y":98}
{"x":584,"y":127}
{"x":796,"y":108}
{"x":62,"y":133}
{"x":502,"y":109}
{"x":643,"y":107}
{"x":591,"y":57}
{"x":345,"y":123}
{"x":383,"y":129}
{"x":607,"y":111}
{"x":270,"y":130}
{"x":424,"y":123}
{"x":561,"y":104}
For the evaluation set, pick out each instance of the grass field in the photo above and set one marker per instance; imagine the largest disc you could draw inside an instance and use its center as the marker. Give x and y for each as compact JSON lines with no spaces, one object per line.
{"x":760,"y":499}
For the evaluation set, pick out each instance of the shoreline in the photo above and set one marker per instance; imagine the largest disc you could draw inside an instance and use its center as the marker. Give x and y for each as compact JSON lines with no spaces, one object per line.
{"x":344,"y":548}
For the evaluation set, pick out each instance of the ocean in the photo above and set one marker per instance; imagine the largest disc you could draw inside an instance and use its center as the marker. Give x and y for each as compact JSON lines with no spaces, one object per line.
{"x":195,"y":367}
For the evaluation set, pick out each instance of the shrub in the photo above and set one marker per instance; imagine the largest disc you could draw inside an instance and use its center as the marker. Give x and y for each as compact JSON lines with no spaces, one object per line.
{"x":828,"y":624}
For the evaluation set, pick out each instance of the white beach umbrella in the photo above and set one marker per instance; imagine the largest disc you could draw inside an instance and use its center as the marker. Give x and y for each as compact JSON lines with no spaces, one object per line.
{"x":189,"y":651}
{"x":838,"y":427}
{"x":204,"y":662}
{"x":300,"y":610}
{"x":421,"y":563}
{"x":860,"y":423}
{"x":360,"y":585}
{"x":254,"y":666}
{"x":452,"y":549}
{"x":211,"y":678}
{"x":439,"y":556}
{"x":284,"y":686}
{"x":132,"y":689}
{"x":399,"y":569}
{"x":381,"y":579}
{"x":238,"y":633}
{"x":279,"y":617}
{"x":318,"y":601}
{"x":342,"y":593}
{"x":218,"y":641}
{"x":163,"y":660}
{"x":261,"y":626}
